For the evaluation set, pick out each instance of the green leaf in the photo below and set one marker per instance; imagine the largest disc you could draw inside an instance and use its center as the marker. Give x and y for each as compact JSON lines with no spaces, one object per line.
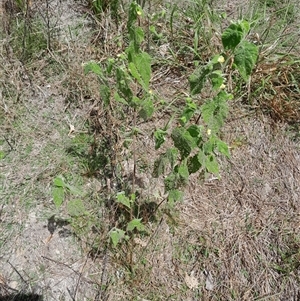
{"x":245,"y":58}
{"x":232,"y":36}
{"x":215,"y":111}
{"x":160,"y":166}
{"x":105,"y":94}
{"x":116,"y":235}
{"x":217,"y":79}
{"x":92,"y":67}
{"x":123,"y":85}
{"x":74,"y":190}
{"x":123,"y":199}
{"x":160,"y":137}
{"x":147,"y":109}
{"x":76,"y":208}
{"x":212,"y":165}
{"x":59,"y":181}
{"x":198,"y":78}
{"x":171,"y":182}
{"x":140,"y":68}
{"x":135,"y":224}
{"x":222,"y":147}
{"x":193,"y":164}
{"x":119,"y":99}
{"x":188,"y":111}
{"x":175,"y":196}
{"x":58,"y":195}
{"x":183,"y":141}
{"x":171,"y":155}
{"x":183,"y":173}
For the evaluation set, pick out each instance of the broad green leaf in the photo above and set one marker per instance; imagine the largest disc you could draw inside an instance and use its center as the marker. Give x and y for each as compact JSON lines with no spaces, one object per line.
{"x":140,"y":68}
{"x":222,"y":147}
{"x":160,"y":137}
{"x":245,"y":58}
{"x":76,"y":208}
{"x":232,"y":36}
{"x":58,"y":195}
{"x":123,"y":199}
{"x":188,"y":111}
{"x":195,"y":132}
{"x":217,"y":79}
{"x":171,"y":182}
{"x":193,"y":164}
{"x":215,"y":111}
{"x":171,"y":155}
{"x":183,"y":173}
{"x":212,"y":165}
{"x":123,"y":85}
{"x":92,"y":67}
{"x":160,"y":166}
{"x":135,"y":224}
{"x":116,"y":235}
{"x":147,"y":109}
{"x":119,"y":99}
{"x":74,"y":190}
{"x":59,"y":181}
{"x":198,"y":79}
{"x":105,"y":94}
{"x":174,"y":196}
{"x":183,"y":141}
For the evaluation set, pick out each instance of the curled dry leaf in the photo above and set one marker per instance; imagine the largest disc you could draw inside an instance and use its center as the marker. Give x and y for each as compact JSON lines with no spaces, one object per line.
{"x":209,"y":282}
{"x":191,"y":281}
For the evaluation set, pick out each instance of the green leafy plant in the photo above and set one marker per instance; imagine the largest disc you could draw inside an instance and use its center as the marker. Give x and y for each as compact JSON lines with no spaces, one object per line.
{"x":131,"y":72}
{"x":196,"y":138}
{"x":60,"y":188}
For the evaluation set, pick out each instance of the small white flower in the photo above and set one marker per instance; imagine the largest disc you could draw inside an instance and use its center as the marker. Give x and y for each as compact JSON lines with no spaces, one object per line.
{"x":221,"y":59}
{"x":222,"y":87}
{"x":208,"y":132}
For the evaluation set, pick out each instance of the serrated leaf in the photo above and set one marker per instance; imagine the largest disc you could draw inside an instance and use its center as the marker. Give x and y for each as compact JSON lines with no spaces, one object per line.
{"x":160,"y":166}
{"x":217,"y":79}
{"x":198,"y":78}
{"x":171,"y":155}
{"x":160,"y":137}
{"x":123,"y":199}
{"x":188,"y":111}
{"x":58,"y":195}
{"x":92,"y":67}
{"x":232,"y":36}
{"x":116,"y":235}
{"x":147,"y":109}
{"x":119,"y":99}
{"x":174,"y":196}
{"x":135,"y":224}
{"x":183,"y":172}
{"x":140,"y":68}
{"x":183,"y":141}
{"x":222,"y":147}
{"x":74,"y":190}
{"x":76,"y":208}
{"x":59,"y":181}
{"x":245,"y":58}
{"x":170,"y":182}
{"x":193,"y":164}
{"x":212,"y":165}
{"x":105,"y":94}
{"x":123,"y":85}
{"x":215,"y":111}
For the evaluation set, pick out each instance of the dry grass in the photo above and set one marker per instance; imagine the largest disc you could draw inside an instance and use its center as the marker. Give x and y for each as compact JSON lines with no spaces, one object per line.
{"x":243,"y":229}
